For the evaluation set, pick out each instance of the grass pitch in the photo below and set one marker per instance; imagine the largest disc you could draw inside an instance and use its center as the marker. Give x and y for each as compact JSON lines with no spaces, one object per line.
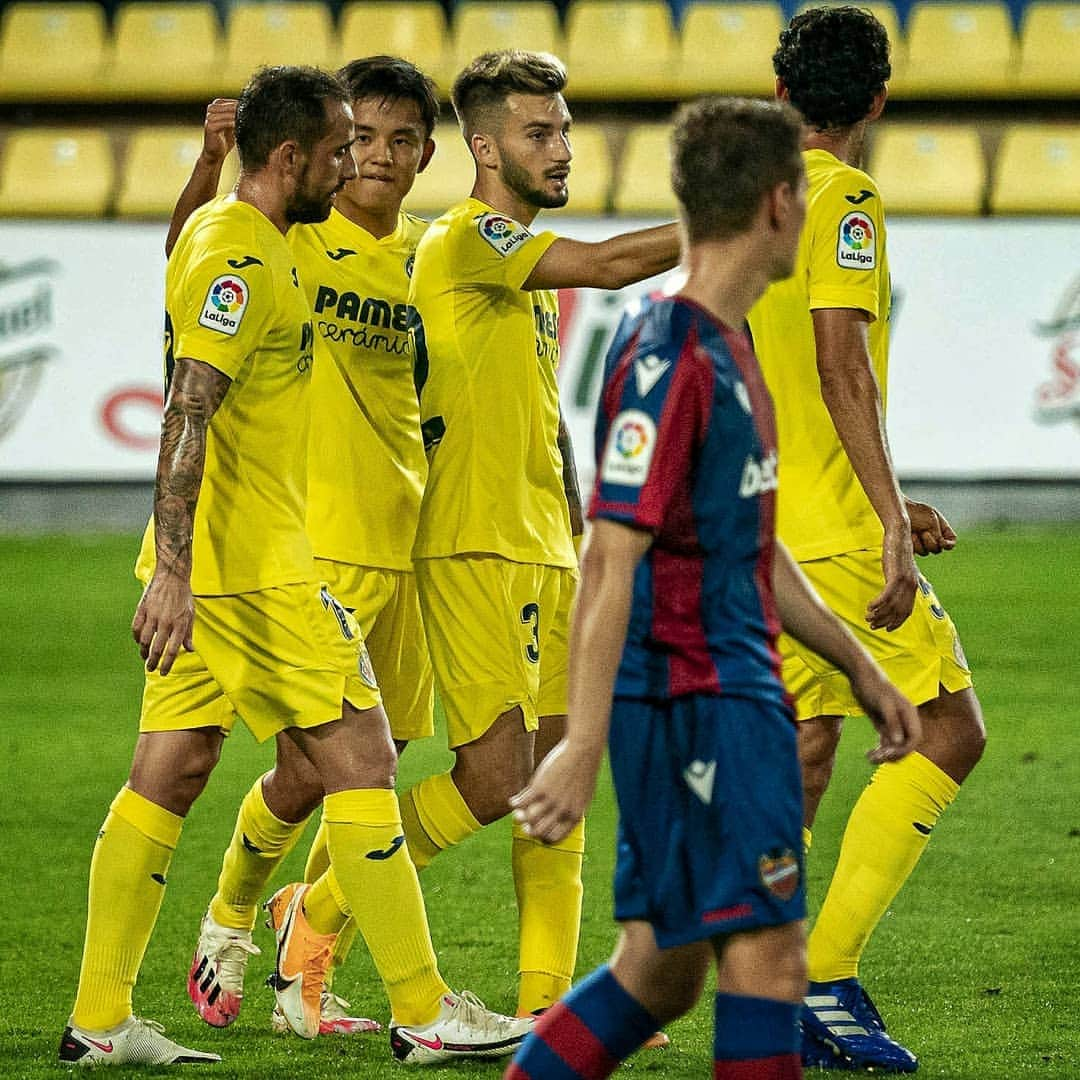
{"x":976,"y":967}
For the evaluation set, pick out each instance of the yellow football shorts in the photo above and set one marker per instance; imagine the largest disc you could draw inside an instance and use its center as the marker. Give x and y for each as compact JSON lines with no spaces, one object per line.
{"x":921,"y":656}
{"x":498,"y":634}
{"x":277,"y":658}
{"x":387,"y":608}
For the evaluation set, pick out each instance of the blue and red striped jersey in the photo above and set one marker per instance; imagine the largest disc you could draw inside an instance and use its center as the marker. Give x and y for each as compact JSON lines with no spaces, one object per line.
{"x":686,"y":448}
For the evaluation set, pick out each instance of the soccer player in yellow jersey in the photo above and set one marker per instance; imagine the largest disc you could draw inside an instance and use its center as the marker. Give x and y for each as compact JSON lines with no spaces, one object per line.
{"x":495,"y":559}
{"x":365,"y":477}
{"x":822,"y":338}
{"x":232,"y":620}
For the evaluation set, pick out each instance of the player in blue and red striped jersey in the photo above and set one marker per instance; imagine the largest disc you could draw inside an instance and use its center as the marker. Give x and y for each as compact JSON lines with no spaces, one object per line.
{"x":684,"y":590}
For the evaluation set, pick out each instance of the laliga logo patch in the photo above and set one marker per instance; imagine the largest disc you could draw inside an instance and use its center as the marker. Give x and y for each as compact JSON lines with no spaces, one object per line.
{"x":502,"y":233}
{"x":856,"y":247}
{"x":225,"y":304}
{"x":629,"y":449}
{"x":780,"y":873}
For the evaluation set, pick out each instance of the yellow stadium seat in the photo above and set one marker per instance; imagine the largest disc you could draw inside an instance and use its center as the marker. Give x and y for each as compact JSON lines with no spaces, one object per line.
{"x":156,"y":168}
{"x":620,"y":48}
{"x":52,"y":52}
{"x":727,"y":48}
{"x":1037,"y":170}
{"x":165,"y":52}
{"x":885,"y":13}
{"x":276,"y":33}
{"x":56,"y":172}
{"x":643,"y":184}
{"x":924,"y":169}
{"x":483,"y":25}
{"x":958,"y":50}
{"x":448,"y":178}
{"x":1050,"y":49}
{"x":590,"y":171}
{"x":415,"y":31}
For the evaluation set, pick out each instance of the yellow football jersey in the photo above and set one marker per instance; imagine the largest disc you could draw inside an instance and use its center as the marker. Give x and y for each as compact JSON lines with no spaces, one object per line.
{"x":487,"y":354}
{"x":233,"y":300}
{"x":366,"y":468}
{"x":822,"y":509}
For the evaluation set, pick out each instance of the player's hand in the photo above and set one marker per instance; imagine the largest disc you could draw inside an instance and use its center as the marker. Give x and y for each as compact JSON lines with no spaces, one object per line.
{"x":219,"y":129}
{"x":931,"y":534}
{"x":554,"y":800}
{"x":163,"y":621}
{"x":896,"y":719}
{"x":889,"y":609}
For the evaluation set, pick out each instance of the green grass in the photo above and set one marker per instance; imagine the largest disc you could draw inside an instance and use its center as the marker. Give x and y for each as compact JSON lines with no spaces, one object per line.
{"x":976,"y":966}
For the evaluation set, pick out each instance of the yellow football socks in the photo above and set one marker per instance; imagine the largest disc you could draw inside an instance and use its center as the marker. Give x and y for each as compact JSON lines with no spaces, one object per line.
{"x":376,"y":883}
{"x":127,"y":883}
{"x":259,"y":842}
{"x":435,"y":817}
{"x":318,"y":861}
{"x":886,"y":833}
{"x":547,"y":879}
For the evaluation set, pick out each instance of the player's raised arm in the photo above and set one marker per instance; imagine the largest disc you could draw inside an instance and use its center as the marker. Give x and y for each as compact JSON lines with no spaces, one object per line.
{"x":166,"y":612}
{"x":606,"y":264}
{"x":561,"y":789}
{"x":807,"y":619}
{"x":219,"y":137}
{"x":850,"y":391}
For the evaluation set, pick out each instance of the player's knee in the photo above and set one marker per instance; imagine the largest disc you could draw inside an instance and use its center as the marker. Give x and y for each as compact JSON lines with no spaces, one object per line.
{"x":769,"y":962}
{"x":818,"y":741}
{"x":954,"y":733}
{"x":380,"y":764}
{"x":189,"y":775}
{"x":486,"y":794}
{"x":291,"y":795}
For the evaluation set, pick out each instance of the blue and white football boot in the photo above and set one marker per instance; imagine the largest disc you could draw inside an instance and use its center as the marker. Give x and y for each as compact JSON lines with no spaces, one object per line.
{"x":841,"y":1029}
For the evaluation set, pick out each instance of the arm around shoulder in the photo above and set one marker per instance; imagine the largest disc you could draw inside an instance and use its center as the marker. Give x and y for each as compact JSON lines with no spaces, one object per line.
{"x":606,"y":264}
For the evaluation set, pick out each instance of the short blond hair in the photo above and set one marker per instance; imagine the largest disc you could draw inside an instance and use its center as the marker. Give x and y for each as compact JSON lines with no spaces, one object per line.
{"x":481,"y":89}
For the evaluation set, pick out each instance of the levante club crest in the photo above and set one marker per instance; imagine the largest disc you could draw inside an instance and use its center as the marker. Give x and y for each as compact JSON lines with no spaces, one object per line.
{"x":780,"y":873}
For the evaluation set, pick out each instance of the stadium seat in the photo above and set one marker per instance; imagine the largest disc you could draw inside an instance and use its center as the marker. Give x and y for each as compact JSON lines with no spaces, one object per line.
{"x":957,"y":50}
{"x":52,"y":52}
{"x":727,"y":48}
{"x":1037,"y":170}
{"x":56,"y":172}
{"x":886,"y":14}
{"x":620,"y":49}
{"x":923,"y":169}
{"x":276,"y":33}
{"x":1050,"y":49}
{"x":156,"y":168}
{"x":448,"y":179}
{"x":483,"y":25}
{"x":416,"y":31}
{"x":165,"y":52}
{"x":590,"y":171}
{"x":643,"y":184}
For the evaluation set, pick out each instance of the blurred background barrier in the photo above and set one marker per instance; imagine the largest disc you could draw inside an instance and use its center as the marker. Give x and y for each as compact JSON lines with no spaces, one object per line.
{"x":984,"y":393}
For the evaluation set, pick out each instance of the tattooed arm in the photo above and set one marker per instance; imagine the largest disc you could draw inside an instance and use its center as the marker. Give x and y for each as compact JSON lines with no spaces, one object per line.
{"x":570,"y":479}
{"x":166,"y":612}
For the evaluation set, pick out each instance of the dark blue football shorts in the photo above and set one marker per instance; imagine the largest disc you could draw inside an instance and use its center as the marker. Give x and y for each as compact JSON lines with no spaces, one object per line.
{"x":710,"y":807}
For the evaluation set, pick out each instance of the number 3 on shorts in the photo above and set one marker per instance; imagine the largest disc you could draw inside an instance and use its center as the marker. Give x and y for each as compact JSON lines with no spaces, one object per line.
{"x":530,"y":616}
